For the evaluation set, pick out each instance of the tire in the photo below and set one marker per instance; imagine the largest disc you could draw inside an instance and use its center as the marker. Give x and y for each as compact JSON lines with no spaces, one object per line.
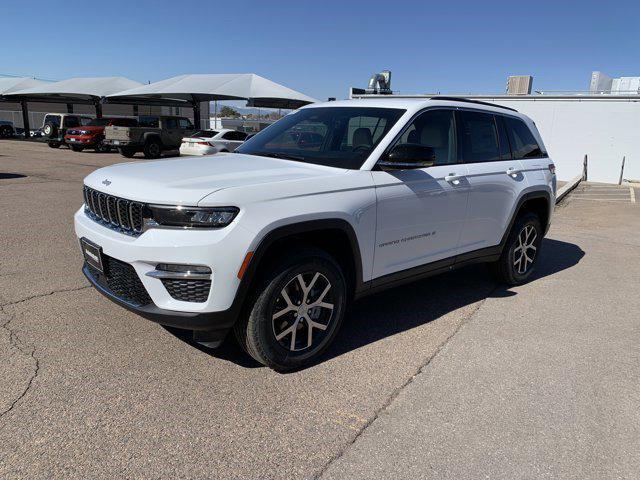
{"x":6,"y":131}
{"x":50,"y":130}
{"x":127,"y":152}
{"x":54,"y":144}
{"x":77,"y":148}
{"x":152,"y":149}
{"x":516,"y":266}
{"x":281,"y":343}
{"x":102,"y":148}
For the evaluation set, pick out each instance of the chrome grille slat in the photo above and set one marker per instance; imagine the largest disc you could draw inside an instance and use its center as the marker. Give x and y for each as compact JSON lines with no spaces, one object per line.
{"x":125,"y":216}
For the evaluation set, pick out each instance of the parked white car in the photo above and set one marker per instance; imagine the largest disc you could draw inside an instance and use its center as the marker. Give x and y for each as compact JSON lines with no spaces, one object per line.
{"x":332,"y":202}
{"x":208,"y":142}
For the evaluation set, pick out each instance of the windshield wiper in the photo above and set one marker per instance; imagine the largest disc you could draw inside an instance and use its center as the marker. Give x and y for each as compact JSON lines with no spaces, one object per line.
{"x":284,"y":156}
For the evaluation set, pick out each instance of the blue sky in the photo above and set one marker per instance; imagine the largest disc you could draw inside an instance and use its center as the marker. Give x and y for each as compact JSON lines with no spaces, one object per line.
{"x":323,"y":47}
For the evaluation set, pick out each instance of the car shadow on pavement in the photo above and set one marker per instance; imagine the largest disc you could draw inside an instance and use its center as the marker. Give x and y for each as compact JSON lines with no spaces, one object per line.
{"x":408,"y":306}
{"x":7,"y":176}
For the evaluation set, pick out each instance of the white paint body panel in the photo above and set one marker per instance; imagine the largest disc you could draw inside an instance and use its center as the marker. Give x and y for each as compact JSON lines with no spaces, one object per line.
{"x":381,"y":207}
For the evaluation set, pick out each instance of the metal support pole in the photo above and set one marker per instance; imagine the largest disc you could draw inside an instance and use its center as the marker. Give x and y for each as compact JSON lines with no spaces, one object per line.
{"x":98,"y":106}
{"x":25,"y":119}
{"x":584,"y":168}
{"x":135,"y":111}
{"x":215,"y":115}
{"x":69,"y":107}
{"x":196,"y":115}
{"x":621,"y":171}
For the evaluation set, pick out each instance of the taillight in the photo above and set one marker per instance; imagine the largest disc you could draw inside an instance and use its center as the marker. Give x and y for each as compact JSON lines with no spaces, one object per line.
{"x":552,"y":168}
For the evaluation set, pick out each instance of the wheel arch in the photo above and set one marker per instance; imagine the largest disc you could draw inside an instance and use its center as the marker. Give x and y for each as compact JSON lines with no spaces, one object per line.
{"x":334,"y":235}
{"x":539,"y":202}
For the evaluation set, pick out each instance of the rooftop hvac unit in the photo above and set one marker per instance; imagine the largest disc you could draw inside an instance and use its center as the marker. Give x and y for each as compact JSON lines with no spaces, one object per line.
{"x":519,"y":84}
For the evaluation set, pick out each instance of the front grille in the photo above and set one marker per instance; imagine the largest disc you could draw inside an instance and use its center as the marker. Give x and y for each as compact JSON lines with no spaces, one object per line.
{"x":121,"y":280}
{"x":187,"y":290}
{"x":114,"y":212}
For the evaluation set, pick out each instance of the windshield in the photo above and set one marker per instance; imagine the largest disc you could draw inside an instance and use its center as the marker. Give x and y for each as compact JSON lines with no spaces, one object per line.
{"x":341,"y":137}
{"x":99,"y":122}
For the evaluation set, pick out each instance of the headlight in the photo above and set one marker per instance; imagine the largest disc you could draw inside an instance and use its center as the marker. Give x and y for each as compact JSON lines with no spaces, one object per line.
{"x":195,"y":217}
{"x":85,"y":132}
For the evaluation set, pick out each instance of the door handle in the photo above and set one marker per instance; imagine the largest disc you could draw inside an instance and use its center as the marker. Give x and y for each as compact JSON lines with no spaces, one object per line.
{"x":452,"y":178}
{"x":513,"y":172}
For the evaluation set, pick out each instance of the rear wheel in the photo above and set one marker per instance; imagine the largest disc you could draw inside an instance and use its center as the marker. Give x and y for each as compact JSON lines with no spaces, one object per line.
{"x":54,"y":144}
{"x":127,"y":152}
{"x":6,"y":131}
{"x":520,"y":254}
{"x":296,"y":312}
{"x":77,"y":148}
{"x":152,"y":149}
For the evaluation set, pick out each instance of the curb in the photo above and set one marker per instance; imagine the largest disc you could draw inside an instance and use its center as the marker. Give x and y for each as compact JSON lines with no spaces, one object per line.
{"x":566,"y":189}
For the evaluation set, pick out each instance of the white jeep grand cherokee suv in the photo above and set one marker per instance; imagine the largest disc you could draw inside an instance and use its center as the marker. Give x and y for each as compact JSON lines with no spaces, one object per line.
{"x":333,"y":202}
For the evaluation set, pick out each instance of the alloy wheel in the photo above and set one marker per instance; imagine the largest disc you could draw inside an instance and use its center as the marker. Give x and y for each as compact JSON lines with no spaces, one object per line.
{"x":525,"y":251}
{"x":302,"y":311}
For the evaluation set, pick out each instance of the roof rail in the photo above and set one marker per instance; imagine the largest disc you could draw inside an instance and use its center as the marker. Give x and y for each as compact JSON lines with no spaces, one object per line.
{"x":466,"y":100}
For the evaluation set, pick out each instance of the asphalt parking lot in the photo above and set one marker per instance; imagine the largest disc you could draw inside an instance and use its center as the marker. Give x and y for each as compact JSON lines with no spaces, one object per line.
{"x":451,"y":377}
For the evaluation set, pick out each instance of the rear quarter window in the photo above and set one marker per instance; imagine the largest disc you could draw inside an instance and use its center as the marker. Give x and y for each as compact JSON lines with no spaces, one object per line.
{"x":523,"y":142}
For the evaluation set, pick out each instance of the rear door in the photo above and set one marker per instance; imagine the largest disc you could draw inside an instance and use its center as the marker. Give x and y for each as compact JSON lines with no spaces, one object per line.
{"x":530,"y":151}
{"x":495,"y":178}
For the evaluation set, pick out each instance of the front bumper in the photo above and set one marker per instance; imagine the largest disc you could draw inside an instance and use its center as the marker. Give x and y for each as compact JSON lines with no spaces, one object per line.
{"x":208,"y":321}
{"x":221,"y":250}
{"x":81,"y":140}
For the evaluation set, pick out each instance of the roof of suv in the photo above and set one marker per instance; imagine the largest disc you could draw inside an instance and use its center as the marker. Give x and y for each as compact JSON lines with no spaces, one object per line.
{"x":416,"y":103}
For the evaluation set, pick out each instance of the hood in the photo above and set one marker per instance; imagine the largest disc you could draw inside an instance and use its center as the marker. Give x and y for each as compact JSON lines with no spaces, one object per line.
{"x":185,"y":181}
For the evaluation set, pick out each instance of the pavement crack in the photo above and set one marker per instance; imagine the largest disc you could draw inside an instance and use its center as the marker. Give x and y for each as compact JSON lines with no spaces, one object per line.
{"x":394,"y":394}
{"x":21,"y":346}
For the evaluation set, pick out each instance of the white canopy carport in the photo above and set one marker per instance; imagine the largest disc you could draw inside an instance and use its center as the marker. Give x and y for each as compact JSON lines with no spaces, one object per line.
{"x":14,"y":84}
{"x":259,"y":91}
{"x":89,"y":90}
{"x":75,"y":90}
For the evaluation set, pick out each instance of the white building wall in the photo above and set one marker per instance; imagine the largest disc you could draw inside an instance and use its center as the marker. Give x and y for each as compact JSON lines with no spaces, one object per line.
{"x":605,"y":129}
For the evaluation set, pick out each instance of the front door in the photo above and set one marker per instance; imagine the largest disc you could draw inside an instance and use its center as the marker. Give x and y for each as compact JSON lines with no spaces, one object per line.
{"x":421,"y":212}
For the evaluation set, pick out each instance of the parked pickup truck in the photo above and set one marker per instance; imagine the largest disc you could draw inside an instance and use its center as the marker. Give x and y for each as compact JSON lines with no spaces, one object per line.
{"x":152,"y":136}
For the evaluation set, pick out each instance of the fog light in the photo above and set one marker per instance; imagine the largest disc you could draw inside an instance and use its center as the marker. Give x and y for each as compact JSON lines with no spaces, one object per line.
{"x":171,"y":267}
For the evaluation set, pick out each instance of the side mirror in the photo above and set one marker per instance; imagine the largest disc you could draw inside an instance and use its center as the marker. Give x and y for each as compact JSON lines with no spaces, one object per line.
{"x":408,"y":156}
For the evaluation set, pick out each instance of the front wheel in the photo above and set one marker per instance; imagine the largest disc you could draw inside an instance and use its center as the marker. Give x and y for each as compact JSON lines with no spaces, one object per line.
{"x":520,"y":254}
{"x":152,"y":149}
{"x":297,"y":312}
{"x":102,"y":148}
{"x":76,"y":148}
{"x":54,"y":144}
{"x":127,"y":152}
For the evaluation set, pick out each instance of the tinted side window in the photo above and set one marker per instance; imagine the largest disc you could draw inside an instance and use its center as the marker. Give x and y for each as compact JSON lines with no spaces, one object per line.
{"x":185,"y":123}
{"x":505,"y":150}
{"x":170,"y":123}
{"x":523,"y":143}
{"x":228,"y":136}
{"x":52,"y":119}
{"x":151,"y":122}
{"x":435,"y":129}
{"x":71,"y":122}
{"x":478,"y":137}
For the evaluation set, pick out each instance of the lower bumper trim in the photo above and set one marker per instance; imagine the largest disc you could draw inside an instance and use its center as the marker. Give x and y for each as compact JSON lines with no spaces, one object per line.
{"x":208,"y":321}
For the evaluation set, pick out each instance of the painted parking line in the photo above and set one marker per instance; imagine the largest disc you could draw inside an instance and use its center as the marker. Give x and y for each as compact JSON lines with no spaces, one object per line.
{"x":632,"y":193}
